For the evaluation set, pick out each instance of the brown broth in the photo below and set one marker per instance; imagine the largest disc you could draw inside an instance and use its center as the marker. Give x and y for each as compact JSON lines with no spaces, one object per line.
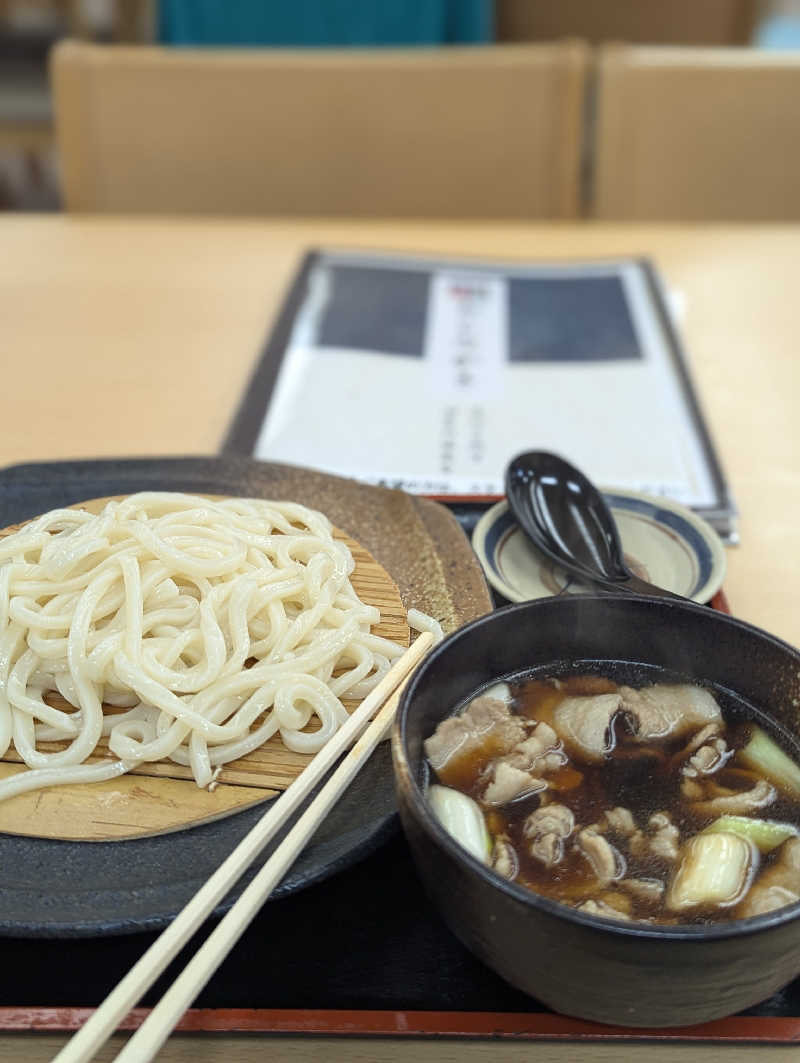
{"x":645,"y":780}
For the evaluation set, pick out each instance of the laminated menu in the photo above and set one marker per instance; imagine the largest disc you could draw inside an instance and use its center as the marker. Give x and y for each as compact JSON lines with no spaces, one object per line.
{"x":430,"y":374}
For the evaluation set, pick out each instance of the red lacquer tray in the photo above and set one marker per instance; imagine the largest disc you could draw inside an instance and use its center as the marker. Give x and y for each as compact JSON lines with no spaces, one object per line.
{"x":774,"y":1026}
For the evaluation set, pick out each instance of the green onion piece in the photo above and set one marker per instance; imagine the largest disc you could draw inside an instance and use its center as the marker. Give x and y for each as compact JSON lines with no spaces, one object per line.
{"x":764,"y":833}
{"x":712,"y":869}
{"x":763,"y":754}
{"x":462,"y":818}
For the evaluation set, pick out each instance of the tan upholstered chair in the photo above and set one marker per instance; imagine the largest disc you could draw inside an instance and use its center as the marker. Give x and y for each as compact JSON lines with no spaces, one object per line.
{"x":707,"y":134}
{"x":477,"y":132}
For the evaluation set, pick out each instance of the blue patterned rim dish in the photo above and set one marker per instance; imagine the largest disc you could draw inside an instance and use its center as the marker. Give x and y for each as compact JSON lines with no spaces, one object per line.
{"x":664,"y":543}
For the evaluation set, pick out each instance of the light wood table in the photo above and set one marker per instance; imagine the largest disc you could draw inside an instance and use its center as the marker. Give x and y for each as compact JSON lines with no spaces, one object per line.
{"x":136,"y":337}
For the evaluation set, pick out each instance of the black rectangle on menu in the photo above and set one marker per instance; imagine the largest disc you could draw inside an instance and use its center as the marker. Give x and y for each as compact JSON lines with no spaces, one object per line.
{"x":382,"y":311}
{"x":569,"y":319}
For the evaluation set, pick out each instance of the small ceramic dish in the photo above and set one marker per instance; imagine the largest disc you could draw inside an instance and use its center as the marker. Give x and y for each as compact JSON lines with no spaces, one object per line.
{"x":664,"y":543}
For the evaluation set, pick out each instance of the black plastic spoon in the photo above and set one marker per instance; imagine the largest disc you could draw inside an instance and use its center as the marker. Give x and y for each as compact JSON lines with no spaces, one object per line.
{"x":567,"y":518}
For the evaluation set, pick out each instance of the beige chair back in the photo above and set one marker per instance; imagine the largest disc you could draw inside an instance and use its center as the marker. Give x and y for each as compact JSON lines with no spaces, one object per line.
{"x":695,"y":133}
{"x":459,"y":132}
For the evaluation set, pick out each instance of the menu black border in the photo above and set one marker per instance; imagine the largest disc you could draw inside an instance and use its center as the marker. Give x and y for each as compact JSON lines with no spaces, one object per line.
{"x":246,"y":426}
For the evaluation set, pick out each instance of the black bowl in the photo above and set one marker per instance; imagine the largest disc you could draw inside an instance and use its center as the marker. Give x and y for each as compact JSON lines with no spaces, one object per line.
{"x":577,"y":964}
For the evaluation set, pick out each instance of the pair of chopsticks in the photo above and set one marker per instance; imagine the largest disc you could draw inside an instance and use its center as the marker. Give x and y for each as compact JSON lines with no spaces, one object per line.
{"x":157,"y":1027}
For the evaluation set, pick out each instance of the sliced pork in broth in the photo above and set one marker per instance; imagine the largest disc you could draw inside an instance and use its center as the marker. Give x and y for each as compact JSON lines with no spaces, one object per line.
{"x":631,"y":802}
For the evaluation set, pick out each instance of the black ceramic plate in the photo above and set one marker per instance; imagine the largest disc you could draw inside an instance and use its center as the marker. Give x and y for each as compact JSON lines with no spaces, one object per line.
{"x":75,"y":889}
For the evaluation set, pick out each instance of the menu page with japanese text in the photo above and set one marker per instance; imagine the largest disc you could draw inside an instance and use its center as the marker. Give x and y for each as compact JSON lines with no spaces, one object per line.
{"x":430,"y":375}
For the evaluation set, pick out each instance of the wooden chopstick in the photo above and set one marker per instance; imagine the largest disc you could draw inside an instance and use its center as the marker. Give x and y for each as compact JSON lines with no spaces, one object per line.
{"x":158,"y":1025}
{"x":155,"y":1030}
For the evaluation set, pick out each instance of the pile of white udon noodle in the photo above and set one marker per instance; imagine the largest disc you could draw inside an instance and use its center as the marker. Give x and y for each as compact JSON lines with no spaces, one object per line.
{"x":208,"y":626}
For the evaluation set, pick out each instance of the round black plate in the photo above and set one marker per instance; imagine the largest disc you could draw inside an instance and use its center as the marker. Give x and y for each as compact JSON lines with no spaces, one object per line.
{"x":53,"y":889}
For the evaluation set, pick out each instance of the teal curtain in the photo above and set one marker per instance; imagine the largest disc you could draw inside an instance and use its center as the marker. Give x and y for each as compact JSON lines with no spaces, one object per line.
{"x":320,"y":23}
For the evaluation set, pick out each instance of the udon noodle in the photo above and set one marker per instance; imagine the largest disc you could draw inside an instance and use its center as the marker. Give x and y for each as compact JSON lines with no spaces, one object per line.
{"x":204,"y":628}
